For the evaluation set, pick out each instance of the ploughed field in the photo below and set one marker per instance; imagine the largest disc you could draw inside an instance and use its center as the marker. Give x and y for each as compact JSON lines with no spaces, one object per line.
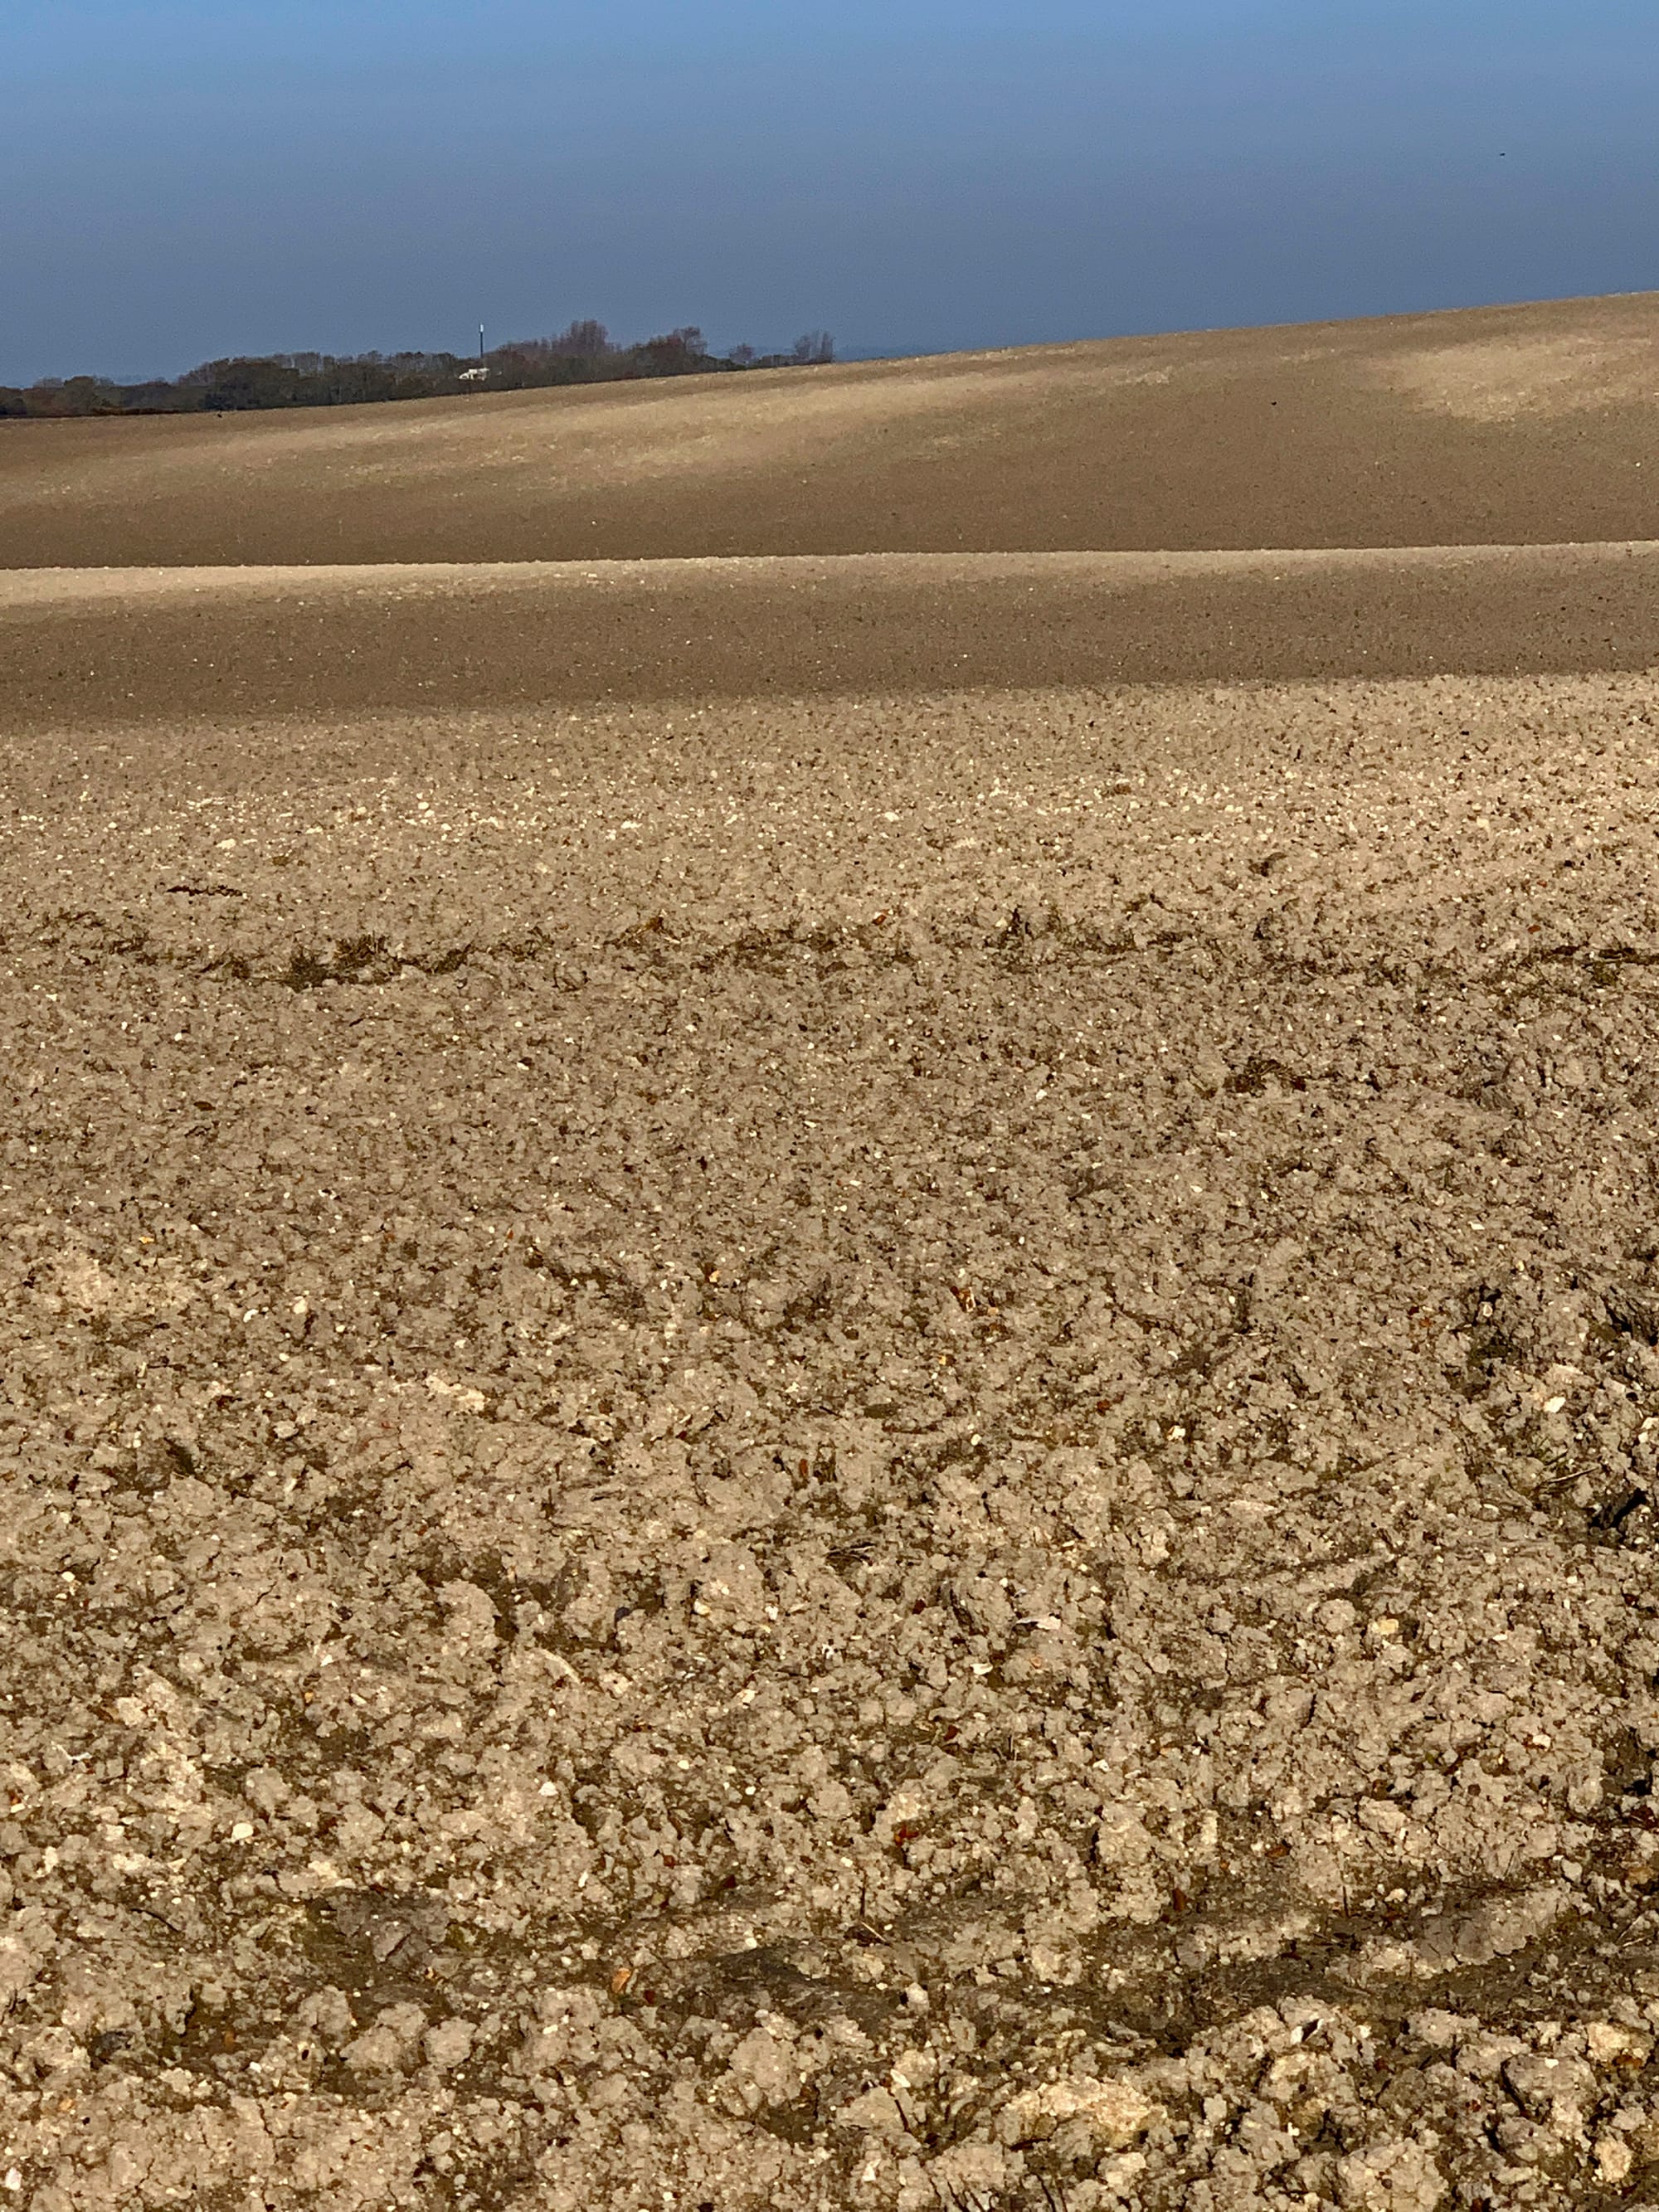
{"x":832,"y":1381}
{"x":1494,"y":426}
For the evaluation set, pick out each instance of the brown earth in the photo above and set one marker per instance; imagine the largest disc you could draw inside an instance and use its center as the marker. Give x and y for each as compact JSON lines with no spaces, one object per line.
{"x":1497,"y":426}
{"x":217,"y":646}
{"x":831,"y":1383}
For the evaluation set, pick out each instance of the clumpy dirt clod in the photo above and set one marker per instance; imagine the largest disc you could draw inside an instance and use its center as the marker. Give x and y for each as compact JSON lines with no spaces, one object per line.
{"x":898,"y":1455}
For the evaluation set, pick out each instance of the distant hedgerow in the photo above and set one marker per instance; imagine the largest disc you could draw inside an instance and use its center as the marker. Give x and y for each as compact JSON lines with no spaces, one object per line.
{"x":581,"y":354}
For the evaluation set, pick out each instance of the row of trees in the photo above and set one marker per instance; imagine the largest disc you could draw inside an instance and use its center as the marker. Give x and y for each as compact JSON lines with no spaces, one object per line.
{"x":583,"y":353}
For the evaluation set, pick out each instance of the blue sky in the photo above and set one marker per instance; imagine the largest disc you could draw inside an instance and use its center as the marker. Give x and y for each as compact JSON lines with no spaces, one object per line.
{"x":183,"y":180}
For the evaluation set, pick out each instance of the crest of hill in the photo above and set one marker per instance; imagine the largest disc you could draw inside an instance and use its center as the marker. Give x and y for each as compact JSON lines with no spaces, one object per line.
{"x":1520,"y":425}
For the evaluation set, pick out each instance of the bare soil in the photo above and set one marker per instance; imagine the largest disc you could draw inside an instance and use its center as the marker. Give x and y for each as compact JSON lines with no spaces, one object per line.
{"x":858,"y":1435}
{"x":1529,"y":425}
{"x":194,"y":648}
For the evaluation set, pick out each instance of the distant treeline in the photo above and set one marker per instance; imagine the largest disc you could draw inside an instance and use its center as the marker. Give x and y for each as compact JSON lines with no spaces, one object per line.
{"x":583,"y":354}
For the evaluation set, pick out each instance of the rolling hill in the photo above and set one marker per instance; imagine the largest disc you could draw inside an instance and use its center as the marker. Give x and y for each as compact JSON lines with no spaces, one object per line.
{"x":1505,"y":425}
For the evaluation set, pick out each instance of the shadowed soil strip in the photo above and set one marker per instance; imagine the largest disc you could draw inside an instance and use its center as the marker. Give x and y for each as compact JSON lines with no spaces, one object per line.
{"x":135,"y":646}
{"x":885,"y":1452}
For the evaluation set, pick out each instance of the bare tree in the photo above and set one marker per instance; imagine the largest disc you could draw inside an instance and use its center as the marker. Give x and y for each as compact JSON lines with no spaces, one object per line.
{"x":585,"y":340}
{"x":675,"y":353}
